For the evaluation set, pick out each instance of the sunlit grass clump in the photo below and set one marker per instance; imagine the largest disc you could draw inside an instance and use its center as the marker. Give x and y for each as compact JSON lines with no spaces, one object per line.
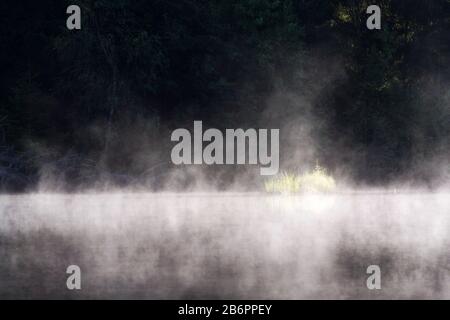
{"x":317,"y":181}
{"x":283,"y":183}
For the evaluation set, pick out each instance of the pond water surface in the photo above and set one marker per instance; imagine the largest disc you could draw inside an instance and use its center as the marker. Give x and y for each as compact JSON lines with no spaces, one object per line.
{"x":225,"y":245}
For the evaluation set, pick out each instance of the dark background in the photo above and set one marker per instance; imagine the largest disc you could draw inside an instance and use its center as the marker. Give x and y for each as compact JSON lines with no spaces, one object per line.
{"x":95,"y":107}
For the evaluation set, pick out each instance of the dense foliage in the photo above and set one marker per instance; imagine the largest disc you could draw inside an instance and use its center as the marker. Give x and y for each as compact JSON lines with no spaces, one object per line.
{"x":101,"y":101}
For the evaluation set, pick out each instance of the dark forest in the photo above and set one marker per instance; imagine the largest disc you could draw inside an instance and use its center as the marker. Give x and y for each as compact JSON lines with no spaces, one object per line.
{"x":95,"y":107}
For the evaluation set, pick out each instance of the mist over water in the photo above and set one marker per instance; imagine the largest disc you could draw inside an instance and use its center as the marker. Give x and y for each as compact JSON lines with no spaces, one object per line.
{"x":225,"y":245}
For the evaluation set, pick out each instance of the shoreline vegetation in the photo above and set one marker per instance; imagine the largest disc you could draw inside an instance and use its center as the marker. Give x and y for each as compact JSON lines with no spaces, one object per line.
{"x":22,"y":173}
{"x":315,"y":181}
